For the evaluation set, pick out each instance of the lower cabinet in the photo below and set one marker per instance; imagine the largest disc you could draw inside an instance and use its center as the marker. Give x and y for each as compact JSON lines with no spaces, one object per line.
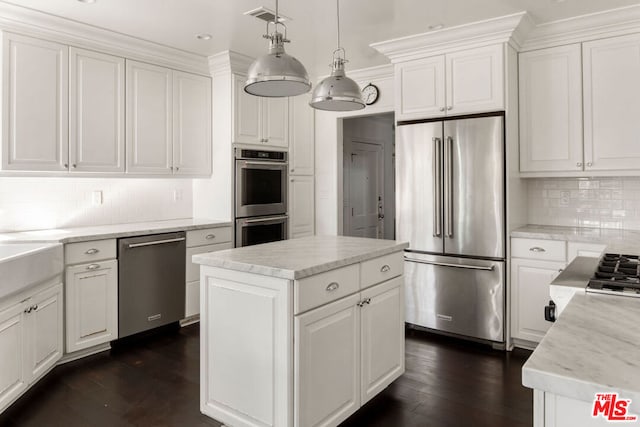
{"x":92,"y":304}
{"x":347,"y":352}
{"x":30,"y":341}
{"x":530,"y":281}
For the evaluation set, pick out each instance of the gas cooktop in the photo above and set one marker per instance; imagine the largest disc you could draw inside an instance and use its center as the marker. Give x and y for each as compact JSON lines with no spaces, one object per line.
{"x":617,"y":275}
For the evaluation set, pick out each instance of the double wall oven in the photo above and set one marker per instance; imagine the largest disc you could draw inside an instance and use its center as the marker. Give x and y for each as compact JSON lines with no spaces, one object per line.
{"x":260,"y":196}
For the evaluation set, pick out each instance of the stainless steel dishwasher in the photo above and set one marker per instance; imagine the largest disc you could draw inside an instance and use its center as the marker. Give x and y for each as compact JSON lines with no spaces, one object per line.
{"x":151,"y":281}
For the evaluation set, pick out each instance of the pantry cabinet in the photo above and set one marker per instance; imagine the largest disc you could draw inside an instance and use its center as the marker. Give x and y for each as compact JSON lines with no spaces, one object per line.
{"x":35,"y":103}
{"x":551,"y":109}
{"x":462,"y":82}
{"x":301,"y":136}
{"x":258,"y":120}
{"x":96,"y":112}
{"x":301,"y":203}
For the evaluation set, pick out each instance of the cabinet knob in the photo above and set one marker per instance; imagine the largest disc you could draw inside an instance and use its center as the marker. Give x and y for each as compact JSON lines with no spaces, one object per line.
{"x":66,"y":165}
{"x":92,"y":251}
{"x":93,"y":266}
{"x":589,"y":164}
{"x":292,"y":170}
{"x":177,"y":168}
{"x":35,"y":307}
{"x":332,"y":286}
{"x":210,"y":236}
{"x":450,"y":107}
{"x":579,"y":164}
{"x":441,"y":108}
{"x":292,"y":180}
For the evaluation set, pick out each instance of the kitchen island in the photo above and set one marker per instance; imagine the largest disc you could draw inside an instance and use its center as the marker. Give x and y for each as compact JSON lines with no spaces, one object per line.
{"x":299,"y":332}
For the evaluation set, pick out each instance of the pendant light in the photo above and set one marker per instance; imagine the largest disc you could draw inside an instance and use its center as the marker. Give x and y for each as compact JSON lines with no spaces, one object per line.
{"x":337,"y":92}
{"x":277,"y":74}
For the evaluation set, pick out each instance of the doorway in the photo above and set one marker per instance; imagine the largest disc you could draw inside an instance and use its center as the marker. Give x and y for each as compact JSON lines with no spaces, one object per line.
{"x":369,"y":176}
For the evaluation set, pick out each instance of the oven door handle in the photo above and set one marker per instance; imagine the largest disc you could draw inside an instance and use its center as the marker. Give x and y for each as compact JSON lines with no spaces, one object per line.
{"x":275,"y":218}
{"x":274,"y":165}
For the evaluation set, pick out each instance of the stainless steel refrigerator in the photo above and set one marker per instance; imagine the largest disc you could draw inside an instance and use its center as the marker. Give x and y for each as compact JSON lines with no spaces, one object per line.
{"x":451,"y":209}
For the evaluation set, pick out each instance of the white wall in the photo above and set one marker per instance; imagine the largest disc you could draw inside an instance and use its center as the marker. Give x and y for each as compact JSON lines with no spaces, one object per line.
{"x":328,"y":147}
{"x":41,"y":202}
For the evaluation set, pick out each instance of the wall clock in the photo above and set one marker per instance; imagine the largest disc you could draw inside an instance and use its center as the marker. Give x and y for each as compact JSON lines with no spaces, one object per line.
{"x":370,"y":94}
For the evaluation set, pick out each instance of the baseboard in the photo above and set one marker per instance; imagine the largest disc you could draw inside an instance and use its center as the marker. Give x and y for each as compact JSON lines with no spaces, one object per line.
{"x":70,"y":357}
{"x":190,"y":320}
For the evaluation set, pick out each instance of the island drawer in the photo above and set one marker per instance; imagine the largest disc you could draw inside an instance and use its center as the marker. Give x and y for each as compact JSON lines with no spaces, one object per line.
{"x":323,"y":288}
{"x":95,"y":250}
{"x":380,"y":269}
{"x":208,"y":236}
{"x":548,"y":250}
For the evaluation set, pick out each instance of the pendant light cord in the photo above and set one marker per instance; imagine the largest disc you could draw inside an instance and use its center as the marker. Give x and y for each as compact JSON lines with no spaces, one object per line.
{"x":338,"y":20}
{"x":275,"y":20}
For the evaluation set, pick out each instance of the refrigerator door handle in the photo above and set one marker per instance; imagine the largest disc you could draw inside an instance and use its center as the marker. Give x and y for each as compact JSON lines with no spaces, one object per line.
{"x":448,"y":186}
{"x":446,"y":264}
{"x":437,"y":187}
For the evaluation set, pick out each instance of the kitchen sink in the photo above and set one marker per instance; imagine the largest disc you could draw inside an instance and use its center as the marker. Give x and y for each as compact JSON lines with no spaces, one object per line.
{"x":26,"y":264}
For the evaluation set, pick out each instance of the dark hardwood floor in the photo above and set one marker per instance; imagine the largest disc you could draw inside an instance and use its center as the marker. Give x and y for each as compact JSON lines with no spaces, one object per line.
{"x":154,"y":381}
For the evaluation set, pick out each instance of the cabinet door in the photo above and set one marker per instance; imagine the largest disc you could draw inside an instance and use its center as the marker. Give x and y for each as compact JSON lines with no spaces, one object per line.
{"x":275,"y":125}
{"x":529,"y":294}
{"x":612,"y":103}
{"x":35,"y":103}
{"x":301,"y":136}
{"x":149,"y":118}
{"x":420,"y":88}
{"x":13,"y":369}
{"x":327,"y":361}
{"x":382,"y":339}
{"x":92,"y":304}
{"x":247,"y":114}
{"x":551,"y":109}
{"x":96,"y":112}
{"x":475,"y":80}
{"x":191,"y":124}
{"x":301,"y":206}
{"x":44,"y":332}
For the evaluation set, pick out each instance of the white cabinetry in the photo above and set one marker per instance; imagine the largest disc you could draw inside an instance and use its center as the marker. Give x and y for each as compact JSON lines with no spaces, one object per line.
{"x":198,"y":242}
{"x":576,"y":249}
{"x":551,"y":109}
{"x":301,"y":136}
{"x":259,"y":121}
{"x":612,"y":103}
{"x":91,"y":279}
{"x":96,"y":112}
{"x":534,"y":265}
{"x":462,"y":82}
{"x":35,"y":104}
{"x":301,"y":202}
{"x":30,"y":340}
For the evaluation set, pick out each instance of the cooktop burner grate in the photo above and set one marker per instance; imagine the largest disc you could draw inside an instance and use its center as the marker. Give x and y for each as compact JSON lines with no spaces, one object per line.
{"x":617,"y":274}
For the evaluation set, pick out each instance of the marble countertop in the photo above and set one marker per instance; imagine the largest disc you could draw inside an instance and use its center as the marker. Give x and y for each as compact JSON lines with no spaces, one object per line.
{"x":82,"y":234}
{"x":298,"y":258}
{"x":594,"y":346}
{"x":617,"y":240}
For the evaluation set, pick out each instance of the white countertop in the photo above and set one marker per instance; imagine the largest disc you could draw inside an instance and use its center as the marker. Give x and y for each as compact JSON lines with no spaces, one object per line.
{"x":621,"y":238}
{"x":81,"y":234}
{"x":593,"y":347}
{"x":298,"y":258}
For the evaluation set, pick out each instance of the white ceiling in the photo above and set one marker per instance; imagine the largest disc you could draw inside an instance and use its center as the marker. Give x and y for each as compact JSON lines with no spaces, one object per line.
{"x":312,"y":31}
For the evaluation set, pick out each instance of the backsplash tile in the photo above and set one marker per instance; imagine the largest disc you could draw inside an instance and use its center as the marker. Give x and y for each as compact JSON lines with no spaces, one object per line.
{"x":37,"y":203}
{"x":585,"y":202}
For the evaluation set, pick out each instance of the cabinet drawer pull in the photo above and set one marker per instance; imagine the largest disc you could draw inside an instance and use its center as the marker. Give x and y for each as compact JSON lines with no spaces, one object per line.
{"x":92,"y":251}
{"x":93,"y":266}
{"x":385,"y":268}
{"x":210,"y":236}
{"x":332,"y":286}
{"x":537,"y":249}
{"x":363,"y":302}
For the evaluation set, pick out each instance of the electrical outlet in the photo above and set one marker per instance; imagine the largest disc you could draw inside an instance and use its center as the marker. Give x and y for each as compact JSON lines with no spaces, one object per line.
{"x":96,"y":197}
{"x":177,"y":195}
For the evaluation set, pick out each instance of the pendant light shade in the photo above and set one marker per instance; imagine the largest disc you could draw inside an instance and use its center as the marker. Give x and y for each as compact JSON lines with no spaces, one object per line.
{"x":277,"y":74}
{"x":337,"y":92}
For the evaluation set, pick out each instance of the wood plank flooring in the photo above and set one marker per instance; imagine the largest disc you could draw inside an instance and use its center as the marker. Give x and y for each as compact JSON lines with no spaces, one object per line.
{"x":154,"y":381}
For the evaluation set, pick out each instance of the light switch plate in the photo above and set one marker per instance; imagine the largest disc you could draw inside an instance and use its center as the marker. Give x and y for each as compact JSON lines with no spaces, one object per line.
{"x":96,"y":197}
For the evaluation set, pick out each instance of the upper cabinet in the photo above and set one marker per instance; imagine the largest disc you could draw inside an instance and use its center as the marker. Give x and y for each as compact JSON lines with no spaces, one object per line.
{"x":612,"y":103}
{"x":96,"y":112}
{"x":301,"y":136}
{"x":551,"y":109}
{"x":259,"y":121}
{"x":463,"y":82}
{"x":64,"y":111}
{"x":35,"y":104}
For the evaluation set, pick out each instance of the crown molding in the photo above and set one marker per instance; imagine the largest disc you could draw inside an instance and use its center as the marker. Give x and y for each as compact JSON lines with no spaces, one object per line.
{"x":379,"y":72}
{"x":229,"y":61}
{"x":49,"y":27}
{"x":582,"y":28}
{"x":512,"y":29}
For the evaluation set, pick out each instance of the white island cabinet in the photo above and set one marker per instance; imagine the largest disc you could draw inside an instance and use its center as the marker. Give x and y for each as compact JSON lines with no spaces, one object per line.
{"x":300,"y":332}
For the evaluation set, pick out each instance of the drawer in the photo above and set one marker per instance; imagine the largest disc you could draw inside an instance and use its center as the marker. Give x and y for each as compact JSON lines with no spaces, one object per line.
{"x":192,"y":272}
{"x":380,"y":269}
{"x":549,"y":250}
{"x":322,"y":288}
{"x":95,"y":250}
{"x":208,"y":236}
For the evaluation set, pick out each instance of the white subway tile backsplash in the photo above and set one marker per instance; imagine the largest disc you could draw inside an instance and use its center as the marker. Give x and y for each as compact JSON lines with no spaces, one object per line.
{"x":585,"y":202}
{"x":36,"y":203}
